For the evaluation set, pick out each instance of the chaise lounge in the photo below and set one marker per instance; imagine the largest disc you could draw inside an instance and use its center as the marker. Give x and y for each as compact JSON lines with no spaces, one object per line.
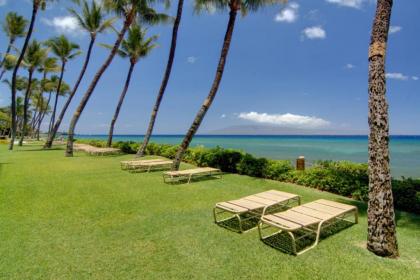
{"x":126,"y":163}
{"x":188,"y":174}
{"x":149,"y":165}
{"x":308,"y":218}
{"x":252,"y":207}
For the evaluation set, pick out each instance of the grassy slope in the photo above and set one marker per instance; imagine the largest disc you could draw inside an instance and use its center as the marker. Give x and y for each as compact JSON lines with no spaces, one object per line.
{"x":83,"y":217}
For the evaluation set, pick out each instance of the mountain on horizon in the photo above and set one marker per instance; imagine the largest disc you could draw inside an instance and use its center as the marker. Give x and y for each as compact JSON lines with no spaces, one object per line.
{"x":275,"y":130}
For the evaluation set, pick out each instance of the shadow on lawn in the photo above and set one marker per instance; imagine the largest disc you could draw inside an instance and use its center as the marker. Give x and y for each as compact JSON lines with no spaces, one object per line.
{"x":283,"y":242}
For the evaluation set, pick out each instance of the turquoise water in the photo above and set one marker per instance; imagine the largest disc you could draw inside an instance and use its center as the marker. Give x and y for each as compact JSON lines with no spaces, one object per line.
{"x":405,"y":150}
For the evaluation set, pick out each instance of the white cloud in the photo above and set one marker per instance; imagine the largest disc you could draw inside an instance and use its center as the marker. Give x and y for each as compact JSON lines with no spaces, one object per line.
{"x":415,"y":78}
{"x":65,"y":24}
{"x":396,"y":76}
{"x":289,"y":14}
{"x":349,"y":66}
{"x":394,"y":29}
{"x":192,"y":59}
{"x":314,"y":32}
{"x":3,"y":2}
{"x":357,"y":4}
{"x":285,"y":120}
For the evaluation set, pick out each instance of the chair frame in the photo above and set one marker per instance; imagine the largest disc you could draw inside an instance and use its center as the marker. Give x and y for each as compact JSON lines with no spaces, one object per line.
{"x":171,"y":178}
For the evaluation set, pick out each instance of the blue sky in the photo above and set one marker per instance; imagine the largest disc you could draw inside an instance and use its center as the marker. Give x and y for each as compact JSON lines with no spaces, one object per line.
{"x":303,"y":65}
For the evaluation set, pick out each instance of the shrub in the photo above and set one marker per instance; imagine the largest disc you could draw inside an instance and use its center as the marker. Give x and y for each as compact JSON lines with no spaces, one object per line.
{"x":278,"y":169}
{"x":406,"y":193}
{"x":251,"y":166}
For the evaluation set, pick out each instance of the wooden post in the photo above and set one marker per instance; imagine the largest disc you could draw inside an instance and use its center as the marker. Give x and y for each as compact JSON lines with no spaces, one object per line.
{"x":300,"y":163}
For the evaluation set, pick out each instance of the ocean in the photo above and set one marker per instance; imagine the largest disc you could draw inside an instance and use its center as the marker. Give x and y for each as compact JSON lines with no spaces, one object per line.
{"x":405,"y":150}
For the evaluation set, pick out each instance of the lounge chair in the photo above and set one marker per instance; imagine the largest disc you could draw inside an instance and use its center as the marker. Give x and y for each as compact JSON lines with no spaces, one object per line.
{"x":252,"y":207}
{"x":308,"y":218}
{"x":188,"y":174}
{"x":126,"y":163}
{"x":148,"y":166}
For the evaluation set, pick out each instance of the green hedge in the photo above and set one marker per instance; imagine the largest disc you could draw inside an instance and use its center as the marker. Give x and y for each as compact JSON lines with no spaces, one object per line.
{"x":341,"y":177}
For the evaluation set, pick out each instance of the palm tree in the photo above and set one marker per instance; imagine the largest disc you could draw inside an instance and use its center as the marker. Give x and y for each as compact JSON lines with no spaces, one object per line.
{"x":57,"y":82}
{"x":93,"y":21}
{"x":382,"y":239}
{"x":33,"y":59}
{"x":165,"y":80}
{"x":234,"y":6}
{"x":134,"y":47}
{"x":49,"y":86}
{"x":14,"y":27}
{"x":65,"y":51}
{"x":130,"y":11}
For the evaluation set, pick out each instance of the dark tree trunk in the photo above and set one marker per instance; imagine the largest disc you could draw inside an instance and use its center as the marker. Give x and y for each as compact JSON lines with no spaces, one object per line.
{"x":15,"y":71}
{"x":98,"y":75}
{"x":382,"y":239}
{"x":165,"y":80}
{"x":42,"y":116}
{"x":9,"y":47}
{"x":207,"y":103}
{"x":54,"y":130}
{"x":52,"y":121}
{"x":120,"y":102}
{"x":25,"y":108}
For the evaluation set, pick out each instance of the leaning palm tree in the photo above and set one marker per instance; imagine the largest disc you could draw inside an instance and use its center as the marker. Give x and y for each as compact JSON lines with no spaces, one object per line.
{"x":33,"y":59}
{"x":165,"y":80}
{"x":234,"y":6}
{"x":136,"y":46}
{"x":65,"y":51}
{"x":64,"y":90}
{"x":382,"y":239}
{"x":48,"y":86}
{"x":130,"y":11}
{"x":92,"y":20}
{"x":14,"y":27}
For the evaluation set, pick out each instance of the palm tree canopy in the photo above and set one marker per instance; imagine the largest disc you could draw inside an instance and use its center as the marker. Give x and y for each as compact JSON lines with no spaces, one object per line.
{"x":139,"y":8}
{"x":63,"y":48}
{"x":49,"y":65}
{"x":34,"y":56}
{"x":136,"y":45}
{"x":53,"y":84}
{"x":15,"y":26}
{"x":243,"y":5}
{"x":21,"y":83}
{"x":92,"y":19}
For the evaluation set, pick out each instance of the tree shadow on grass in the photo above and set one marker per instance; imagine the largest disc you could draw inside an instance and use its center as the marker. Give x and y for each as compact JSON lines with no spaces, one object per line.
{"x":283,"y":241}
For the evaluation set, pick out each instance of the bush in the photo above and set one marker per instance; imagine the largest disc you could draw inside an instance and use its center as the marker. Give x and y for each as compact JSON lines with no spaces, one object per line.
{"x":251,"y":166}
{"x":278,"y":169}
{"x":406,"y":193}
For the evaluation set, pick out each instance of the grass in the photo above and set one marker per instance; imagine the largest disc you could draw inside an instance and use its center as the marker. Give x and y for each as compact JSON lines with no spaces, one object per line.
{"x":84,"y":218}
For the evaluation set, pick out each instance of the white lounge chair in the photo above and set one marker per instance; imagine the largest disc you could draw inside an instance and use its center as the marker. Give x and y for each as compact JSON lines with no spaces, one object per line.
{"x":188,"y":174}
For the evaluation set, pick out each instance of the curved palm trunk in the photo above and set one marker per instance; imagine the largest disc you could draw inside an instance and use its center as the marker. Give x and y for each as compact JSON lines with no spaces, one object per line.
{"x":120,"y":102}
{"x":382,"y":238}
{"x":207,"y":103}
{"x":53,"y":132}
{"x":9,"y":47}
{"x":98,"y":75}
{"x":16,"y":69}
{"x":25,"y":108}
{"x":165,"y":80}
{"x":60,"y":81}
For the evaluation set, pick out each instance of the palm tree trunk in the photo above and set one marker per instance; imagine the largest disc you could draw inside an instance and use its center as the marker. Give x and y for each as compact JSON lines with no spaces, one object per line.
{"x":51,"y":135}
{"x":165,"y":80}
{"x":15,"y":71}
{"x":25,"y":108}
{"x":98,"y":75}
{"x":120,"y":102}
{"x":207,"y":103}
{"x":9,"y":47}
{"x":63,"y":66}
{"x":42,"y":116}
{"x":382,"y":238}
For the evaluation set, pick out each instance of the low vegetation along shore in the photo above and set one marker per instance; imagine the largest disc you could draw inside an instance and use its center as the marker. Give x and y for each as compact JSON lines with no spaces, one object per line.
{"x":84,"y":218}
{"x":345,"y":178}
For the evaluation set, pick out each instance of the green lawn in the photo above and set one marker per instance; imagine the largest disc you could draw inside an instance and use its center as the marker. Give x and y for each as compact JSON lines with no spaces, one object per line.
{"x":82,"y":217}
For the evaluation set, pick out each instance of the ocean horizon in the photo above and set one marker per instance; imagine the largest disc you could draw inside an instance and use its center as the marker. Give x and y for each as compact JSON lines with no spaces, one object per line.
{"x":404,"y":149}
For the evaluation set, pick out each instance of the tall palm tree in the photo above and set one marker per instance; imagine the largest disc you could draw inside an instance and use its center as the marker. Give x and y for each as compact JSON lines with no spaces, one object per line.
{"x":92,"y":20}
{"x":234,"y":6}
{"x":382,"y":239}
{"x":136,"y":46}
{"x":130,"y":11}
{"x":33,"y":59}
{"x":65,"y":51}
{"x":47,"y":86}
{"x":165,"y":80}
{"x":14,"y":27}
{"x":64,"y":90}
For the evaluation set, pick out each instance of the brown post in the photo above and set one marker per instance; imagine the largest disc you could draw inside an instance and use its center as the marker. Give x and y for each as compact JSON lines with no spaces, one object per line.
{"x":300,"y":163}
